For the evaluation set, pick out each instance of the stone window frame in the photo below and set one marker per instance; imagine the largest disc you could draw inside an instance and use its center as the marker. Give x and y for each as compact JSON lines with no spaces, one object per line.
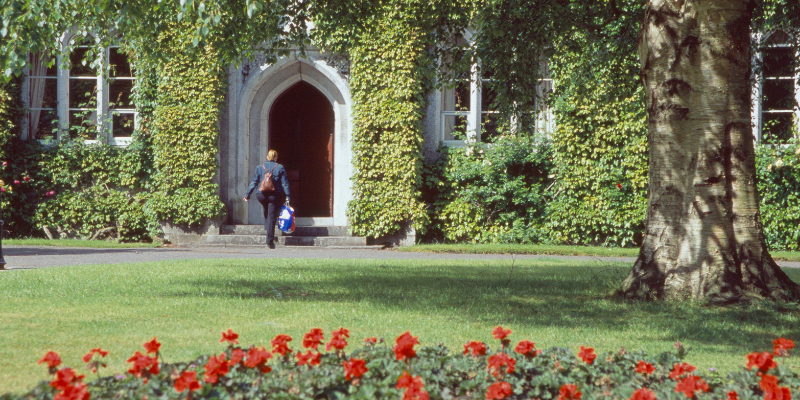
{"x":758,"y":91}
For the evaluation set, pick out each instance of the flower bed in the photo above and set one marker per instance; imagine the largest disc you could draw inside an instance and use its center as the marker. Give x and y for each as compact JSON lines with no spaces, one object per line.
{"x":380,"y":370}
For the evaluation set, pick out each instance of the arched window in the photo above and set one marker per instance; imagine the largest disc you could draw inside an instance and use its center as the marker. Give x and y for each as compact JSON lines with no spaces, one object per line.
{"x":776,"y":93}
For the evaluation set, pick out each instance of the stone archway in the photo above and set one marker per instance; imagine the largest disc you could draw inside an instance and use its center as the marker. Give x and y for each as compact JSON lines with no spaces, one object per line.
{"x":301,"y":131}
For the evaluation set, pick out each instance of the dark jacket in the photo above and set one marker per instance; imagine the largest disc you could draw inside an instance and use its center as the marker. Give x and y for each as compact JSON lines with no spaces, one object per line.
{"x":278,"y":176}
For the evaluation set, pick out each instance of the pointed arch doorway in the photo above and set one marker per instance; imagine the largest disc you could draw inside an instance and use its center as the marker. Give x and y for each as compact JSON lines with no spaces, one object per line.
{"x":301,"y":130}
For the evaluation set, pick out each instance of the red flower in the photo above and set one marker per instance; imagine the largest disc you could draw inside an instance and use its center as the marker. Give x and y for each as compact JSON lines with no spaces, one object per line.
{"x":587,"y":354}
{"x":643,"y":394}
{"x":769,"y":384}
{"x":497,"y":361}
{"x":51,"y":358}
{"x":27,"y":178}
{"x":372,"y":340}
{"x":498,"y":390}
{"x":313,"y":338}
{"x":258,"y":357}
{"x":141,"y":363}
{"x":230,"y":336}
{"x":781,"y":346}
{"x":16,"y":181}
{"x":645,"y":368}
{"x":354,"y":368}
{"x":763,"y":361}
{"x":732,"y":395}
{"x":187,"y":380}
{"x":404,"y":347}
{"x":681,"y":369}
{"x":279,"y":344}
{"x":88,"y":356}
{"x":64,"y":378}
{"x":476,"y":348}
{"x":152,"y":346}
{"x":216,"y":367}
{"x":338,"y":341}
{"x":619,"y":186}
{"x":413,"y":386}
{"x":236,"y":356}
{"x":308,"y":358}
{"x":689,"y":385}
{"x":77,"y":391}
{"x":569,"y":392}
{"x":527,"y":348}
{"x":500,"y":333}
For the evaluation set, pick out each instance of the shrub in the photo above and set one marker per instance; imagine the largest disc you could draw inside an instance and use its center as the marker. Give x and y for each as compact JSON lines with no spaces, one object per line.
{"x":377,"y":370}
{"x":778,"y":170}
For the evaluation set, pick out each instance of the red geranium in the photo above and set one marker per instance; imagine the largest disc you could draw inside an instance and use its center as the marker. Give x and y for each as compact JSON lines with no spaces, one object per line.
{"x":77,"y":391}
{"x":587,"y":354}
{"x":500,"y":333}
{"x":763,"y":361}
{"x":258,"y":357}
{"x":311,"y":358}
{"x":88,"y":356}
{"x":497,"y":361}
{"x":404,"y":347}
{"x":216,"y":367}
{"x":680,"y":369}
{"x":280,"y":344}
{"x":152,"y":346}
{"x":498,"y":390}
{"x":527,"y":348}
{"x":313,"y":338}
{"x":64,"y":378}
{"x":781,"y":346}
{"x":187,"y":380}
{"x":645,"y":368}
{"x":230,"y":336}
{"x":691,"y":384}
{"x":769,"y":384}
{"x":476,"y":348}
{"x":732,"y":395}
{"x":643,"y":394}
{"x":51,"y":358}
{"x":354,"y":368}
{"x":372,"y":340}
{"x":236,"y":356}
{"x":338,"y":341}
{"x":569,"y":392}
{"x":142,"y":363}
{"x":413,"y":386}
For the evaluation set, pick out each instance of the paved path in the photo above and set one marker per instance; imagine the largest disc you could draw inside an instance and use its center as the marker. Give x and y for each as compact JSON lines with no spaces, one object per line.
{"x":27,"y":257}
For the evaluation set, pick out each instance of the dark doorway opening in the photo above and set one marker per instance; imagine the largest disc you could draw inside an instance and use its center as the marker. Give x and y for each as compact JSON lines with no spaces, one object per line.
{"x":301,"y":131}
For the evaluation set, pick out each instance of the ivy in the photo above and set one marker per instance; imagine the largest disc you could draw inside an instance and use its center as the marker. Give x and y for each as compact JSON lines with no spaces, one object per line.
{"x":778,"y":170}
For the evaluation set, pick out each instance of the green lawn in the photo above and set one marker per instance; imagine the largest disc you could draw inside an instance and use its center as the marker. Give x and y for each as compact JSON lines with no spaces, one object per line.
{"x":100,"y":244}
{"x":559,"y":250}
{"x":188,"y":303}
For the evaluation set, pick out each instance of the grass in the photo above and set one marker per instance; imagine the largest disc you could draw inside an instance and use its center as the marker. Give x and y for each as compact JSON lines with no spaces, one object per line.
{"x":556,"y":250}
{"x":99,"y":244}
{"x":186,"y":304}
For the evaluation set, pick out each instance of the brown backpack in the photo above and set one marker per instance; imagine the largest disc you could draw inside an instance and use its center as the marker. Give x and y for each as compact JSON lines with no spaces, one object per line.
{"x":266,"y":184}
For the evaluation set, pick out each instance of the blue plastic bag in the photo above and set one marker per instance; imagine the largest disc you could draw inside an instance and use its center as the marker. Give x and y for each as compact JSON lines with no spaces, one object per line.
{"x":286,"y":219}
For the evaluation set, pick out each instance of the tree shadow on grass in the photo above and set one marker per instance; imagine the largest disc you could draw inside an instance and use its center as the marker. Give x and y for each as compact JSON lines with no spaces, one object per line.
{"x":528,"y":293}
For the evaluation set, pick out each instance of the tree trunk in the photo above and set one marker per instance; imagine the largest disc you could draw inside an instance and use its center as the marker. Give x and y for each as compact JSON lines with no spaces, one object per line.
{"x":703,"y":234}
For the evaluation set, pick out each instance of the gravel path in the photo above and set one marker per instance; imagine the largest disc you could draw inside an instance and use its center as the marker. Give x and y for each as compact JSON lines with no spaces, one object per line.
{"x":28,"y":257}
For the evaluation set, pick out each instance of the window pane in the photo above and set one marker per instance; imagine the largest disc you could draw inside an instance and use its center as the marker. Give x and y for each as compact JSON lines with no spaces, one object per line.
{"x":120,"y":65}
{"x":76,"y":60}
{"x":123,"y":124}
{"x":454,"y":127}
{"x":45,"y":126}
{"x":120,"y":96}
{"x":488,"y":97}
{"x":778,"y":61}
{"x":777,"y":128}
{"x":778,"y":94}
{"x":779,"y":37}
{"x":82,"y":93}
{"x":489,"y":127}
{"x":43,"y":93}
{"x":82,"y":124}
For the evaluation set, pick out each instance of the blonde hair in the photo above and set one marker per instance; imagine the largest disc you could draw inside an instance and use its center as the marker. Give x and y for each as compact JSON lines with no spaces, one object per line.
{"x":272,"y":155}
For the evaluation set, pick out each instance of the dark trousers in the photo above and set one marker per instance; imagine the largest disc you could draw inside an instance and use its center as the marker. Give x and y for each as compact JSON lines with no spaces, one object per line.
{"x":272,"y":207}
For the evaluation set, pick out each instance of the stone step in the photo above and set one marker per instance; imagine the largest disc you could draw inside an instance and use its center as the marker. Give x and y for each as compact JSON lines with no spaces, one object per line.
{"x":260,"y":240}
{"x":298,"y":231}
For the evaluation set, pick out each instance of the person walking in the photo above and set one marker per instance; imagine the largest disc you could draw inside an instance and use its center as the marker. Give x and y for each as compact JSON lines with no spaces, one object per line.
{"x":271,"y":201}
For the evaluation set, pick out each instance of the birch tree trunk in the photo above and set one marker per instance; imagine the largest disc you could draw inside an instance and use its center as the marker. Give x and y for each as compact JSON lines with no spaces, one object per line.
{"x":704,"y":238}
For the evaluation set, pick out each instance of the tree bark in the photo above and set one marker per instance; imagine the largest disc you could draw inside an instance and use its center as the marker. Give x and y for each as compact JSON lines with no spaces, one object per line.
{"x":703,"y":234}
